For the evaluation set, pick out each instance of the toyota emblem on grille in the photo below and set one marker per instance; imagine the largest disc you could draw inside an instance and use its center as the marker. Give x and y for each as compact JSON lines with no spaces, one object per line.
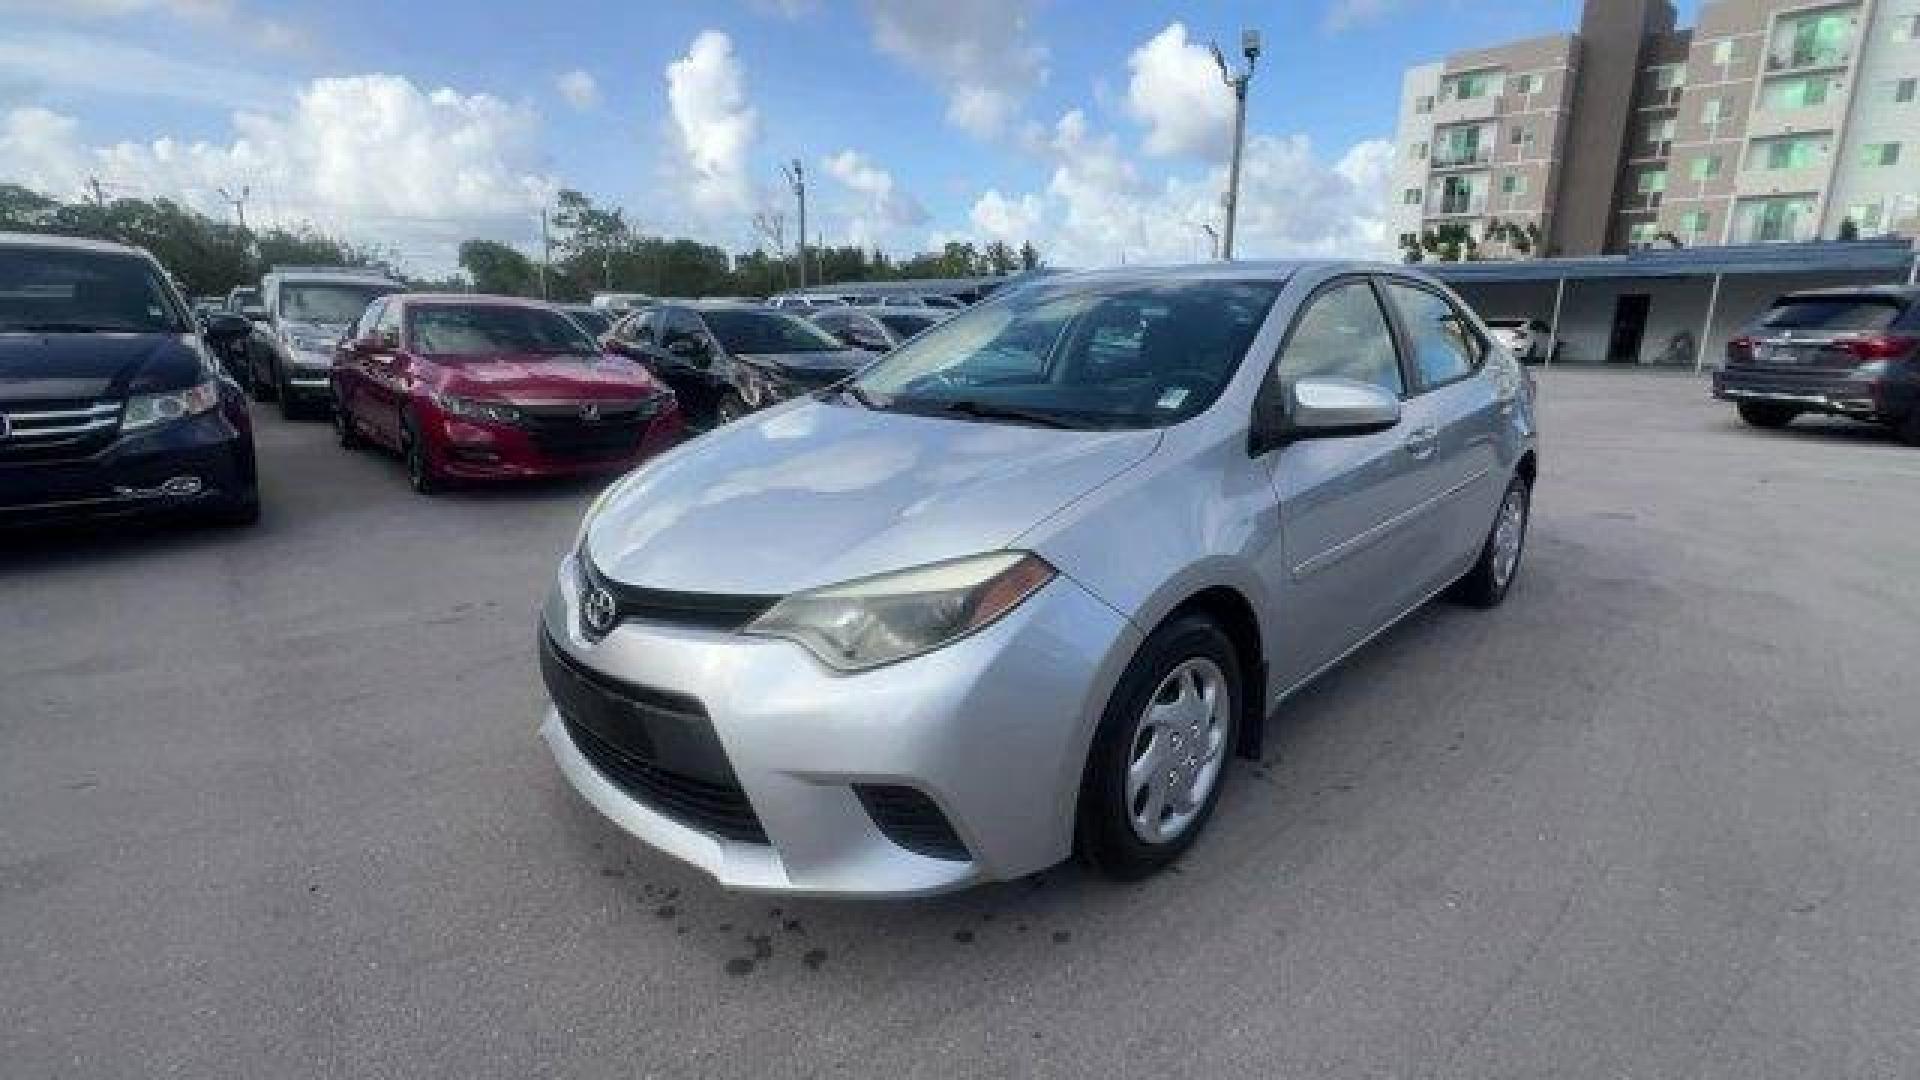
{"x":598,"y":609}
{"x":590,"y":412}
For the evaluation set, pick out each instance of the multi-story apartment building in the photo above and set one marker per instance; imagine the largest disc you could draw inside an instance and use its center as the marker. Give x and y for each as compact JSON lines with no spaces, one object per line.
{"x":1769,"y":121}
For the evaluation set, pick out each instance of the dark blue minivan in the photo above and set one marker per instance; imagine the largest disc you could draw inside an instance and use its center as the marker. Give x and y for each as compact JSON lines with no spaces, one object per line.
{"x":111,"y":401}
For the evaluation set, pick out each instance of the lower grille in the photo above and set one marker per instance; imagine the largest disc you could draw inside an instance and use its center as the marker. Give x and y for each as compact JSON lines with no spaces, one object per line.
{"x":615,"y":430}
{"x":657,"y":747}
{"x":909,"y":818}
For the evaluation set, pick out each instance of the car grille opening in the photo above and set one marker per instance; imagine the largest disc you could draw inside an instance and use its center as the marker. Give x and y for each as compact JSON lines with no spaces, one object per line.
{"x":656,"y":746}
{"x":615,"y":430}
{"x":709,"y":611}
{"x":52,"y":430}
{"x":909,"y":818}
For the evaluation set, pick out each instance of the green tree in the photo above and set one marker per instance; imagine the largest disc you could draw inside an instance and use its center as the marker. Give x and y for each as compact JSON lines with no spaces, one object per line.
{"x":999,"y":258}
{"x":497,"y":268}
{"x":1029,"y":256}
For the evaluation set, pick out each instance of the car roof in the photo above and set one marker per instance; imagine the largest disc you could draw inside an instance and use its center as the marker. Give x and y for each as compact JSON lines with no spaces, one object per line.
{"x":68,"y":243}
{"x":470,"y":300}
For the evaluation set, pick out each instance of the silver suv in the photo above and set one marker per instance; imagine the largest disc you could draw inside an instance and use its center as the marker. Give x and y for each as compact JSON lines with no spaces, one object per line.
{"x":308,"y":310}
{"x":1021,"y":588}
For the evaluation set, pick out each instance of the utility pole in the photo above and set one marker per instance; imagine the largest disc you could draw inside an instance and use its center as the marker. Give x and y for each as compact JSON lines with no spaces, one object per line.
{"x":797,"y":179}
{"x":99,"y":191}
{"x":546,"y":254}
{"x":238,"y":202}
{"x":1236,"y":81}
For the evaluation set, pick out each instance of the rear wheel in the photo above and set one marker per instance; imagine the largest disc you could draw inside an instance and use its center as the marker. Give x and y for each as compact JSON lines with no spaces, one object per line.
{"x":1154,"y":773}
{"x":1767,"y":414}
{"x":1486,"y":585}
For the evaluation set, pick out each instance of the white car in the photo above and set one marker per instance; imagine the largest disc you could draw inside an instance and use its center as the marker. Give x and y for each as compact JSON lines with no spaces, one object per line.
{"x":1526,"y":339}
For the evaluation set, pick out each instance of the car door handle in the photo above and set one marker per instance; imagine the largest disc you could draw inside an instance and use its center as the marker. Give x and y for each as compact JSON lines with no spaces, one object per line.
{"x":1420,"y":442}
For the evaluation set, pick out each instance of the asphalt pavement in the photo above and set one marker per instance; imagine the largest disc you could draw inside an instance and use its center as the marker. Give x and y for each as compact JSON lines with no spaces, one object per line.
{"x":272,"y":804}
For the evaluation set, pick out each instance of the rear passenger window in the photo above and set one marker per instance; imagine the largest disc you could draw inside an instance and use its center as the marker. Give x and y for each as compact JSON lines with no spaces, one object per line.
{"x":1343,"y":335}
{"x":1445,"y":347}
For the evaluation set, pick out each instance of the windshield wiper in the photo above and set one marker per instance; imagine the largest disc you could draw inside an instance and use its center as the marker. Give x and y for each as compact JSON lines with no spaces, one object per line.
{"x":986,"y":410}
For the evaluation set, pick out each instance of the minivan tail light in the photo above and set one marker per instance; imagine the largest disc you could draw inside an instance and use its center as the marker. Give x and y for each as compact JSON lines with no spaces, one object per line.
{"x":1740,"y":350}
{"x":1883,"y":347}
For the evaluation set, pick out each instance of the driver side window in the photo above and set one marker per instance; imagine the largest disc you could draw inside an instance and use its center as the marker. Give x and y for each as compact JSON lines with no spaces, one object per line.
{"x":1343,"y":334}
{"x":387,"y":329}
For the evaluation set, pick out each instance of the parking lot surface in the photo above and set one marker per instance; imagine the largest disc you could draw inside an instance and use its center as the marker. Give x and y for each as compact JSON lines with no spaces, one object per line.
{"x":271,"y":804}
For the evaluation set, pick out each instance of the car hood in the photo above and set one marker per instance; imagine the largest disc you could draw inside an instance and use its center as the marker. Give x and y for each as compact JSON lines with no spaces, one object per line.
{"x":542,"y":378}
{"x":810,"y":494}
{"x":57,"y":367}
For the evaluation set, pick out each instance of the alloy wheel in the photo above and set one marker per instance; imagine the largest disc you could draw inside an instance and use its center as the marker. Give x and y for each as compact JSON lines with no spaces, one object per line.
{"x":1509,"y":532}
{"x":1178,"y":750}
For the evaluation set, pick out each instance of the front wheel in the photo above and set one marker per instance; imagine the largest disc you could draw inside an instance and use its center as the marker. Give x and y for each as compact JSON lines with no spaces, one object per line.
{"x":422,"y":475}
{"x":1909,"y":431}
{"x":1154,"y":774}
{"x":343,"y":428}
{"x":263,"y":383}
{"x":1767,"y":414}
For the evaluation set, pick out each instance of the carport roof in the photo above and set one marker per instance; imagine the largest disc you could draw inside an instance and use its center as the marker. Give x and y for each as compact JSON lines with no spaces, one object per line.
{"x":1891,"y":256}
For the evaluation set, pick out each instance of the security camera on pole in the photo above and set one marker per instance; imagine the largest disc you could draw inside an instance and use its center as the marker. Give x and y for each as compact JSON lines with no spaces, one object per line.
{"x":1237,"y":82}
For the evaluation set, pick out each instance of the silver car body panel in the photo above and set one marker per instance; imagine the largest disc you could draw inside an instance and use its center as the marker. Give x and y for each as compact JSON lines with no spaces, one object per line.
{"x":1327,"y":541}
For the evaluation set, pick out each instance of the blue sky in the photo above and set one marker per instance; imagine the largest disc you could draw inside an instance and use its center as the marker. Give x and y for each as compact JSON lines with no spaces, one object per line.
{"x":1094,"y":129}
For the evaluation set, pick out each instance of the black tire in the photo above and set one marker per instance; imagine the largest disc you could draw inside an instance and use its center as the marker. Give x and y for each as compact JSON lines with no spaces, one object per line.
{"x":421,"y":475}
{"x":1486,"y":585}
{"x":343,"y":429}
{"x":1909,"y":432}
{"x":731,"y":407}
{"x":290,"y":407}
{"x":264,"y":384}
{"x":1105,"y":834}
{"x":1767,"y":414}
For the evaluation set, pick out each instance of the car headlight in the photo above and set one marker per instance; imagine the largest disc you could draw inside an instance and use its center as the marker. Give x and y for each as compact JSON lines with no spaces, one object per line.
{"x":310,"y":344}
{"x":147,"y":410}
{"x":874,"y":621}
{"x":469,"y":409}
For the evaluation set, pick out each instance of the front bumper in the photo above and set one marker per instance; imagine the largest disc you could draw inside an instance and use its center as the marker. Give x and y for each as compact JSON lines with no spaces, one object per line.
{"x":478,"y":450}
{"x":133,"y":474}
{"x":993,"y":729}
{"x":1839,"y":393}
{"x":312,"y":381}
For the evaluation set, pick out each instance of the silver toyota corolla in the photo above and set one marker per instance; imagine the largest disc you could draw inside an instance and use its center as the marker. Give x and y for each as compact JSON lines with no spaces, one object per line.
{"x":1021,"y":589}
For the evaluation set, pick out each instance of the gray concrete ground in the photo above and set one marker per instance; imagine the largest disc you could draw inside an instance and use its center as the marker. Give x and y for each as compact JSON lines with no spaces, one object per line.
{"x":271,"y":804}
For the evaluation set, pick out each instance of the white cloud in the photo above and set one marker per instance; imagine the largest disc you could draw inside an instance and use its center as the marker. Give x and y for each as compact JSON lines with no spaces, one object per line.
{"x":976,"y":51}
{"x":579,"y":88}
{"x":1098,"y":209}
{"x":714,"y":123}
{"x":373,"y":158}
{"x":1176,"y":91}
{"x":92,"y":64}
{"x":879,"y":212}
{"x":786,"y":9}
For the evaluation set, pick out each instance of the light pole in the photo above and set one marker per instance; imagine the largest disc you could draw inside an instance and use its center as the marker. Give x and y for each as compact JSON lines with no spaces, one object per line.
{"x":797,"y":179}
{"x":1237,"y":82}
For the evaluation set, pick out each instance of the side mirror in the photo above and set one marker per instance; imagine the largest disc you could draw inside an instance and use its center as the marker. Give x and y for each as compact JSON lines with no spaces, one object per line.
{"x":227,"y":329}
{"x":1322,"y":409}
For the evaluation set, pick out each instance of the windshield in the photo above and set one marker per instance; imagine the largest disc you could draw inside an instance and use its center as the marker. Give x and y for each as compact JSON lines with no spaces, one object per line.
{"x":333,"y":303}
{"x":46,"y":290}
{"x":907,"y":325}
{"x":593,"y":322}
{"x":746,"y":331}
{"x":492,"y":330}
{"x":243,"y":298}
{"x":1102,"y":355}
{"x":1833,"y":315}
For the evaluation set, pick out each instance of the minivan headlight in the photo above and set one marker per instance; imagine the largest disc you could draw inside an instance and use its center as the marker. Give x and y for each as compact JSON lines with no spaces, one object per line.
{"x":874,"y":621}
{"x":147,"y":410}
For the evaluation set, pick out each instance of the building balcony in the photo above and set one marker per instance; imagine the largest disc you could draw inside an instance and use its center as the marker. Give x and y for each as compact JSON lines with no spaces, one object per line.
{"x":1478,"y":159}
{"x":1826,"y":116}
{"x":1465,"y":110}
{"x":1756,"y":182}
{"x":1801,"y":60}
{"x":1454,"y":209}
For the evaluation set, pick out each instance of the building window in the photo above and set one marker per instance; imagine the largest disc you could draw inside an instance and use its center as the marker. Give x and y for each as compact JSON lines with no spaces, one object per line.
{"x":1641,"y":233}
{"x":1520,"y":136}
{"x":1773,"y":221}
{"x":1907,"y":28}
{"x":1712,"y":110}
{"x":1661,"y":130}
{"x":1903,"y":90}
{"x":1423,"y":104}
{"x":1803,"y":92}
{"x":1705,"y":168}
{"x":1651,"y":182}
{"x":1813,"y":39}
{"x":1418,"y":151}
{"x":1866,"y":218}
{"x":1789,"y":152}
{"x":1472,"y":84}
{"x":1410,"y":197}
{"x":1875,"y":155}
{"x":1513,"y":184}
{"x":1723,"y":52}
{"x":1668,"y":76}
{"x":1694,"y":223}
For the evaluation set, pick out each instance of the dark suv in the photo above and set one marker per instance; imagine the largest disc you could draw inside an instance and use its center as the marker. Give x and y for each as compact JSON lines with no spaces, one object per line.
{"x":110,"y":402}
{"x":1843,"y":352}
{"x":726,"y":360}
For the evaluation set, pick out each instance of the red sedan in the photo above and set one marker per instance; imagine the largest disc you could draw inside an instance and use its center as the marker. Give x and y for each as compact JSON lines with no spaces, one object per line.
{"x":485,"y":387}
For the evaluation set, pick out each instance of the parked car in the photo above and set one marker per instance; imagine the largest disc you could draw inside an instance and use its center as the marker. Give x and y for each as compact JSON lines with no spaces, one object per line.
{"x":470,"y":388}
{"x":806,"y":300}
{"x":1526,"y":339}
{"x":1842,"y":352}
{"x":1022,"y":587}
{"x":290,"y":359}
{"x":110,"y":402}
{"x":878,"y":329}
{"x":244,"y":301}
{"x":617,"y":302}
{"x":595,"y":321}
{"x":725,"y":360}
